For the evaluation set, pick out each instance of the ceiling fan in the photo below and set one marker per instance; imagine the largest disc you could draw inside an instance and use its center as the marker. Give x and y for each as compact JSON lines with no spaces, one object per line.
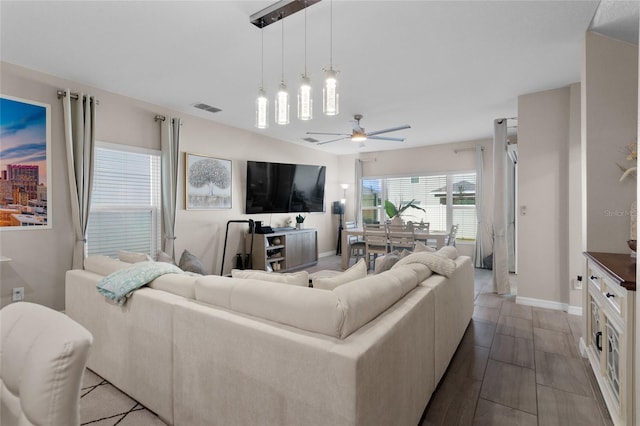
{"x":360,"y":135}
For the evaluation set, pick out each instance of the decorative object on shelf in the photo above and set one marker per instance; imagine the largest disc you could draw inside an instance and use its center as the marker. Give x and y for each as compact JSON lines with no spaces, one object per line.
{"x":276,"y":241}
{"x":207,"y":182}
{"x":632,"y":155}
{"x":26,"y":159}
{"x":300,"y":221}
{"x":395,"y":212}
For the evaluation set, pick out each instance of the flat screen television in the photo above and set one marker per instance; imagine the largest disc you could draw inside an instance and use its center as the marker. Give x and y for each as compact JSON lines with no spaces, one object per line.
{"x":284,"y":188}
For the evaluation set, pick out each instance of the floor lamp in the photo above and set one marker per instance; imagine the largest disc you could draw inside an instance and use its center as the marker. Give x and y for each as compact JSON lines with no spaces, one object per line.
{"x":338,"y":208}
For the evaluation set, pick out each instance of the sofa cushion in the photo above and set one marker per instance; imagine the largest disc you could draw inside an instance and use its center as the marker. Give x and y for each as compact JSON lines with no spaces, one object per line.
{"x":133,"y":257}
{"x":104,"y":265}
{"x":305,"y":308}
{"x":363,"y":300}
{"x":294,"y":278}
{"x":357,"y":271}
{"x":439,"y":264}
{"x":420,"y":246}
{"x":179,"y":284}
{"x":422,"y":271}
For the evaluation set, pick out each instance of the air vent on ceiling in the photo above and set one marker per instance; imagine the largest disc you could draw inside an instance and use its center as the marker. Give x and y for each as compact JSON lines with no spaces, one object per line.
{"x":207,"y":108}
{"x":312,"y":140}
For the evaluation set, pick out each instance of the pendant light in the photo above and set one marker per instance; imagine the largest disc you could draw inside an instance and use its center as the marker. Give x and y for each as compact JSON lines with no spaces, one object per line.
{"x":282,"y":97}
{"x":330,"y":95}
{"x":305,"y":99}
{"x":262,"y":103}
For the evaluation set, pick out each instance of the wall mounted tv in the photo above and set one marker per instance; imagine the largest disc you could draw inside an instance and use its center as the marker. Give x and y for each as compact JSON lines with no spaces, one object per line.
{"x":284,"y":188}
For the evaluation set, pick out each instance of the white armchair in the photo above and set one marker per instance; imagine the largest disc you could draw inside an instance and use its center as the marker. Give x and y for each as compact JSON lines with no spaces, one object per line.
{"x":43,"y":354}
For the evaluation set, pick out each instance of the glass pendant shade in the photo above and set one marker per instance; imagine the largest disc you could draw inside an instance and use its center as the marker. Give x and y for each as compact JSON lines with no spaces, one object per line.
{"x":262,"y":110}
{"x":282,"y":105}
{"x":330,"y":95}
{"x":305,"y":100}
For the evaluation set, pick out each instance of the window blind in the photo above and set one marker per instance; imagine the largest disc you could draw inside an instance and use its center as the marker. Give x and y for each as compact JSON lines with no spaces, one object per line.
{"x":125,"y":202}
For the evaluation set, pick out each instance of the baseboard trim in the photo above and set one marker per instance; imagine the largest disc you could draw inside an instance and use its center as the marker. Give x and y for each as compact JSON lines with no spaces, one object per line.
{"x":575,"y":310}
{"x":542,"y":303}
{"x":327,"y":254}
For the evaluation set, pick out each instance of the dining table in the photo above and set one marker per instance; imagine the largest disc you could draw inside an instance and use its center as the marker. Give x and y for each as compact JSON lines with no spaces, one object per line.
{"x":437,"y":236}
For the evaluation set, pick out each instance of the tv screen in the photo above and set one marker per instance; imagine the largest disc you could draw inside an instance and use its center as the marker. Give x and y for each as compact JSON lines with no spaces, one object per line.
{"x":284,"y":188}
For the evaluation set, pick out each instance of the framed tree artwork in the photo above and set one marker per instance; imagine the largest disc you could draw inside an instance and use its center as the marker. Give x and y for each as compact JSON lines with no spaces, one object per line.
{"x":207,"y":182}
{"x":25,"y":164}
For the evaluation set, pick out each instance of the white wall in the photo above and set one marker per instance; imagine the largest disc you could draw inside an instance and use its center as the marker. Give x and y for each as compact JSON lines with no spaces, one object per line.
{"x":543,"y":140}
{"x":575,"y":220}
{"x":609,"y":123}
{"x":41,"y":257}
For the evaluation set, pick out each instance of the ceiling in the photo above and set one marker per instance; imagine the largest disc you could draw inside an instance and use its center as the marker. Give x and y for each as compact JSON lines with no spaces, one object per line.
{"x":446,"y":68}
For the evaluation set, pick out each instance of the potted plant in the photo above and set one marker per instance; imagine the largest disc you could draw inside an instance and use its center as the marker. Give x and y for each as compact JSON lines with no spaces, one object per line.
{"x":395,"y":212}
{"x":300,"y":221}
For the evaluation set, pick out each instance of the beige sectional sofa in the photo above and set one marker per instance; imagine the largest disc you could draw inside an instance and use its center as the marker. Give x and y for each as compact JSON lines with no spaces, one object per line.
{"x":230,"y":351}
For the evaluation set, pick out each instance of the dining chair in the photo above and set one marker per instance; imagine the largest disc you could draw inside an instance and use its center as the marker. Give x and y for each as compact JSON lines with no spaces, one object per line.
{"x":451,"y":237}
{"x":419,"y":230}
{"x":356,"y":244}
{"x":401,"y":237}
{"x":376,"y":241}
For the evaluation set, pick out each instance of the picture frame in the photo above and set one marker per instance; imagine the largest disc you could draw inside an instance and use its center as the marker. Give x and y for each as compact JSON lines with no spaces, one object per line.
{"x":208,"y":182}
{"x":25,"y":164}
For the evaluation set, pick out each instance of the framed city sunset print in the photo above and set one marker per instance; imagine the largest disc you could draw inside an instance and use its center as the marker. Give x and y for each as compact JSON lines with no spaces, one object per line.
{"x":25,"y":164}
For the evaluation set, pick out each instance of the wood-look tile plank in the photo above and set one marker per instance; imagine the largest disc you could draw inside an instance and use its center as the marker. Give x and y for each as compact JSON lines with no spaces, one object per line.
{"x":469,"y":360}
{"x":510,"y":385}
{"x":485,"y":314}
{"x":491,"y":414}
{"x":556,"y":407}
{"x":453,"y":403}
{"x":514,"y":350}
{"x":555,"y":342}
{"x":490,"y":300}
{"x":576,"y":323}
{"x":595,"y":388}
{"x":515,"y":326}
{"x":562,"y":372}
{"x":550,"y":319}
{"x":480,"y":333}
{"x":509,"y":307}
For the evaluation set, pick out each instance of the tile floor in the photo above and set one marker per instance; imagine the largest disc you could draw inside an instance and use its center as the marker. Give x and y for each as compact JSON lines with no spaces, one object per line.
{"x":516,"y":365}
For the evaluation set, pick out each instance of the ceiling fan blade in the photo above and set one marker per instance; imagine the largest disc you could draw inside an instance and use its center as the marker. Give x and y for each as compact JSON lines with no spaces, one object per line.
{"x":330,"y":134}
{"x":333,"y":140}
{"x":385,"y":138}
{"x":392,"y":129}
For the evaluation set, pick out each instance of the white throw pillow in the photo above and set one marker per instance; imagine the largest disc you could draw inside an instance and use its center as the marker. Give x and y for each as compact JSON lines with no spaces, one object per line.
{"x":420,"y":246}
{"x":357,"y":271}
{"x":449,"y":252}
{"x":133,"y":257}
{"x":438,"y":264}
{"x":294,"y":278}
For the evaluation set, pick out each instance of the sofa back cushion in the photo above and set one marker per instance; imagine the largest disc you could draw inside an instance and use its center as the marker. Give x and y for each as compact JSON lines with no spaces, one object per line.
{"x":294,"y":278}
{"x":104,"y":265}
{"x":306,"y":308}
{"x":179,"y":284}
{"x":365,"y":299}
{"x":336,"y":313}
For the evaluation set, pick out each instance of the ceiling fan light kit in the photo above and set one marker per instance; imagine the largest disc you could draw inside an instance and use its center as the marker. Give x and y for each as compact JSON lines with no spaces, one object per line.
{"x":359,"y":135}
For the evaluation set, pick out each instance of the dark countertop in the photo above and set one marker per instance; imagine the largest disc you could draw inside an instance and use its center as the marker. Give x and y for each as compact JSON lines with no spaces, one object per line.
{"x":621,"y":266}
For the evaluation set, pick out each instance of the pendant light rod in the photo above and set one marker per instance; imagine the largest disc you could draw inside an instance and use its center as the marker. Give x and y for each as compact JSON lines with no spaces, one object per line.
{"x":330,"y":33}
{"x":278,"y":11}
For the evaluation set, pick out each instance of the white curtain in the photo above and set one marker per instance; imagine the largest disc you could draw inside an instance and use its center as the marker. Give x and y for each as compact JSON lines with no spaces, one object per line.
{"x":79,"y":132}
{"x":500,"y":281}
{"x":358,"y":191}
{"x":479,"y":252}
{"x":170,"y":145}
{"x":512,"y":153}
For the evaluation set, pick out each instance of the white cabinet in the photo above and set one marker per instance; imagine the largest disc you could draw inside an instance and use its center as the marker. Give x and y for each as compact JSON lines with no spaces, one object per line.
{"x":610,"y":320}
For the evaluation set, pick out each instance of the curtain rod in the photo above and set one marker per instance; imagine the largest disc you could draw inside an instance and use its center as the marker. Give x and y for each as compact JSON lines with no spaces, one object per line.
{"x":62,"y":94}
{"x":467,"y":149}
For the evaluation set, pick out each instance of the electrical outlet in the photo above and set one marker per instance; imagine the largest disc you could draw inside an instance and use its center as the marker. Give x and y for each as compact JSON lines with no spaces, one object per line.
{"x":576,"y":284}
{"x":18,"y":294}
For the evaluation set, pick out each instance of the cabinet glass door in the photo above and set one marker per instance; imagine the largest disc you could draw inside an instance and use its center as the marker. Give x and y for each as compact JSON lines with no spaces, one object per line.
{"x":596,"y":330}
{"x":613,"y":361}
